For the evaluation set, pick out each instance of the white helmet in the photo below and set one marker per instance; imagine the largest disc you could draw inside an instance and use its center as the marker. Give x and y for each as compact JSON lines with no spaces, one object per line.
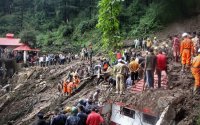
{"x":184,"y":34}
{"x":199,"y":50}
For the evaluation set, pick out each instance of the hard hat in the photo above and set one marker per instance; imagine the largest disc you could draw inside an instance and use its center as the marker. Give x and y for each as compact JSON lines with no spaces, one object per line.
{"x":199,"y":50}
{"x":148,"y":38}
{"x":155,"y":37}
{"x":74,"y":110}
{"x":68,"y":109}
{"x":155,"y":47}
{"x":184,"y":34}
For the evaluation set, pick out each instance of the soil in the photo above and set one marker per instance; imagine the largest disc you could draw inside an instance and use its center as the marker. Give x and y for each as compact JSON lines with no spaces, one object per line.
{"x":34,"y":90}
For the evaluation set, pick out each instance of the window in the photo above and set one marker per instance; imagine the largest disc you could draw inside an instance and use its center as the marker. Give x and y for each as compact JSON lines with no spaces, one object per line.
{"x":149,"y":119}
{"x":127,"y":112}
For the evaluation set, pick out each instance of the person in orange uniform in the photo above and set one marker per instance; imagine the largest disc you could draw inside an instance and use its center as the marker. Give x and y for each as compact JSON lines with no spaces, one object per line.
{"x":186,"y":51}
{"x":76,"y":80}
{"x":196,"y":72}
{"x":65,"y":84}
{"x":70,"y":88}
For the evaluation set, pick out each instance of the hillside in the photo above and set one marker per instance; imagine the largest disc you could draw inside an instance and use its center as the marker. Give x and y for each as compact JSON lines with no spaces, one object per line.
{"x":35,"y":89}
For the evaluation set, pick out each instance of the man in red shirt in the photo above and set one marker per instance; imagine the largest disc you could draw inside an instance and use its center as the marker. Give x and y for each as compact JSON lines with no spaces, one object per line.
{"x":94,"y":118}
{"x":161,"y":66}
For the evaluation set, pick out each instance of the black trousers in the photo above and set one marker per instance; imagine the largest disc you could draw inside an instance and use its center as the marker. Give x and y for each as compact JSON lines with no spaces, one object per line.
{"x":134,"y":76}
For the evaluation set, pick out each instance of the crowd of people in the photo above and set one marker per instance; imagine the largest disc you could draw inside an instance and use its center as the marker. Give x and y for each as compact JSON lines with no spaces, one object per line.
{"x":133,"y":64}
{"x":147,"y":58}
{"x":84,"y":112}
{"x":54,"y":59}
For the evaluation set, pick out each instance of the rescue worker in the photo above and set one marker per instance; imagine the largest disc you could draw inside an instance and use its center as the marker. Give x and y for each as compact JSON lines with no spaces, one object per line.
{"x":73,"y":119}
{"x":82,"y":115}
{"x":76,"y":80}
{"x":196,"y":72}
{"x":186,"y":51}
{"x":94,"y":118}
{"x":150,"y":65}
{"x":161,"y":66}
{"x":176,"y":47}
{"x":133,"y":68}
{"x":65,"y":87}
{"x":70,"y":88}
{"x":120,"y":71}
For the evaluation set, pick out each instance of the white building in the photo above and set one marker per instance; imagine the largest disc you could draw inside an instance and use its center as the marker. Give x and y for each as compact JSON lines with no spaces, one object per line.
{"x":126,"y":116}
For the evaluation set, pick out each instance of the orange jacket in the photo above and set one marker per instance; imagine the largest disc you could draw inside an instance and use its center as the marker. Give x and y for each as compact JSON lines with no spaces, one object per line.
{"x":76,"y":82}
{"x":187,"y":44}
{"x":65,"y":84}
{"x":70,"y":87}
{"x":196,"y":65}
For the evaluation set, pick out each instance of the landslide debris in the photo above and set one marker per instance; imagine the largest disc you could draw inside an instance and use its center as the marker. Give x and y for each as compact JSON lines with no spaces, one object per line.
{"x":34,"y":89}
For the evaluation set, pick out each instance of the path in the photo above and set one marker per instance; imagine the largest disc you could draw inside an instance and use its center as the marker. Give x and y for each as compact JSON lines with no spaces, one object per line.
{"x":139,"y":84}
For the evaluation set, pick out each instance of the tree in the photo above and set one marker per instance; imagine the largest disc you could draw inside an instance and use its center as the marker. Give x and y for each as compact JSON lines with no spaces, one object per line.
{"x":108,"y":23}
{"x":28,"y":37}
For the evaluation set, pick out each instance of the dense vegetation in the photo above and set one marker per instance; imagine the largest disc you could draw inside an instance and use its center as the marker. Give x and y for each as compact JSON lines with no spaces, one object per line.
{"x":67,"y":24}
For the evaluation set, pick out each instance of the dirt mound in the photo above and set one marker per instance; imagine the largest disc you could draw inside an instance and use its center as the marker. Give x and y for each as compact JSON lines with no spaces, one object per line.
{"x":181,"y":26}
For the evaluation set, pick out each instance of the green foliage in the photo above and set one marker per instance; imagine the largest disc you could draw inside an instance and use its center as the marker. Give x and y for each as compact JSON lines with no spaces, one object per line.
{"x":28,"y":37}
{"x":87,"y":25}
{"x":61,"y":23}
{"x":108,"y":23}
{"x":148,"y":22}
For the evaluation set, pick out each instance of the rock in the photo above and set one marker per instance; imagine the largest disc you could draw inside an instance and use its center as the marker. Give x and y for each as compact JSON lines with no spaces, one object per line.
{"x":164,"y":101}
{"x":52,"y":71}
{"x":44,"y":82}
{"x":18,"y":86}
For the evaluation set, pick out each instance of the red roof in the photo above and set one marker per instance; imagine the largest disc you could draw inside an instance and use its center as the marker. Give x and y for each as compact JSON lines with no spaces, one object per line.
{"x":10,"y":42}
{"x":23,"y":48}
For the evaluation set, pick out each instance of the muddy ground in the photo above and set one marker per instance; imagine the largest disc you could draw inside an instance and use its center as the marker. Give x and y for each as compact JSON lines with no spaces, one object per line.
{"x":35,"y":89}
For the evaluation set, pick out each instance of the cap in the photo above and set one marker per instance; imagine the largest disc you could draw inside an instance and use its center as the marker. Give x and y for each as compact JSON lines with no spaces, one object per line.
{"x":119,"y":60}
{"x":184,"y":34}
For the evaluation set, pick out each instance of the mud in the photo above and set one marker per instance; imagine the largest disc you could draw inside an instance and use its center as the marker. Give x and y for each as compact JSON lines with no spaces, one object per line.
{"x":34,"y":89}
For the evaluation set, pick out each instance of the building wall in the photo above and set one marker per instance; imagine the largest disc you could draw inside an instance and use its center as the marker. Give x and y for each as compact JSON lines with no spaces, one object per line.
{"x":120,"y":119}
